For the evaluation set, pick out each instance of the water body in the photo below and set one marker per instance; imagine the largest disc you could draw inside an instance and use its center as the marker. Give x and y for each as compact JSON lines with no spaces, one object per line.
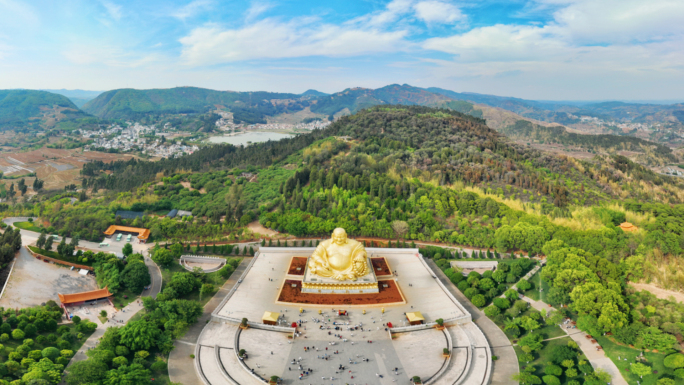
{"x":249,"y":137}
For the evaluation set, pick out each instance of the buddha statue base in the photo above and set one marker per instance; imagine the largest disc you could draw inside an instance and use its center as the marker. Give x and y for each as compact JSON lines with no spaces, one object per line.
{"x":314,"y":284}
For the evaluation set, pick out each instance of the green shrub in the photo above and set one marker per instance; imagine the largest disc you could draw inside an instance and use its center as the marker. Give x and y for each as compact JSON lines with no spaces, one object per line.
{"x":18,"y":334}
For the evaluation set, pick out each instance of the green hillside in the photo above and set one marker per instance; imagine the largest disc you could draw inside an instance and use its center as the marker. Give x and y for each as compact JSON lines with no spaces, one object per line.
{"x":356,"y":99}
{"x":135,"y":104}
{"x":28,"y":108}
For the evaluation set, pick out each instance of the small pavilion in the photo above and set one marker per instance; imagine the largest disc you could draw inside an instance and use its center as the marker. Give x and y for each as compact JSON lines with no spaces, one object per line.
{"x":415,"y":318}
{"x":628,"y":227}
{"x":270,"y":318}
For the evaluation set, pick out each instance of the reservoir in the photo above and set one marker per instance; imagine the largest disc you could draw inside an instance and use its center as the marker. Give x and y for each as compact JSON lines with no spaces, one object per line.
{"x":249,"y":137}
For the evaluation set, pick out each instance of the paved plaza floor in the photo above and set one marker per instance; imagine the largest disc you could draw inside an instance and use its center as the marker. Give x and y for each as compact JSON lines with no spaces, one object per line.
{"x":260,"y":288}
{"x":332,"y":349}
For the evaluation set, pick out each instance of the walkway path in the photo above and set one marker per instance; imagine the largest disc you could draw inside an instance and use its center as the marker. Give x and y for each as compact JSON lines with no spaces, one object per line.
{"x":124,"y":315}
{"x":527,"y":276}
{"x":597,"y":358}
{"x":181,"y":367}
{"x":507,"y":364}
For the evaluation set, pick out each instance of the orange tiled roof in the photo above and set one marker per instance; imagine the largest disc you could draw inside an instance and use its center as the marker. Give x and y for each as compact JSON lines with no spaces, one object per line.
{"x":142,"y":233}
{"x":626,"y":226}
{"x":85,"y":296}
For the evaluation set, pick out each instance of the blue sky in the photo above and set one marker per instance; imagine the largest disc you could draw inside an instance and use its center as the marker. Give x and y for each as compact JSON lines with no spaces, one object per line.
{"x":541,"y":49}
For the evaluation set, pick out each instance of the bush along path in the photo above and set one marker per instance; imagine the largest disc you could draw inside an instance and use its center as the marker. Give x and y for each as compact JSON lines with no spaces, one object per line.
{"x":123,"y":315}
{"x":597,"y":358}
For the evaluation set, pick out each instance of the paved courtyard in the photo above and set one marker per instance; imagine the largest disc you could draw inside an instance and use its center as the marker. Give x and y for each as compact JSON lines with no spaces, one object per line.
{"x":34,"y":282}
{"x":259,"y":290}
{"x":332,"y":349}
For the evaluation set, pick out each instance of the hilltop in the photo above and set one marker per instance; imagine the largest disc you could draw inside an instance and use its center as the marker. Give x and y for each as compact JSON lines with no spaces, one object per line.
{"x":24,"y":109}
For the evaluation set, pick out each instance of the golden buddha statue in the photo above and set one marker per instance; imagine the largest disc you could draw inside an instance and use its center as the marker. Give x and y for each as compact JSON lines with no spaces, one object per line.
{"x":339,"y":258}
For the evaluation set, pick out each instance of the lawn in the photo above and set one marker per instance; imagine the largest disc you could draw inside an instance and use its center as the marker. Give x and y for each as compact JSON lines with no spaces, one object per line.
{"x":30,"y":226}
{"x":542,"y":357}
{"x":655,"y":360}
{"x":533,"y":293}
{"x":123,"y":298}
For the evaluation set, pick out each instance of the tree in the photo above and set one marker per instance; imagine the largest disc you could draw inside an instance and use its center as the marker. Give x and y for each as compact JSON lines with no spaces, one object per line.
{"x":86,"y":372}
{"x":551,"y":380}
{"x":136,"y":276}
{"x":525,"y":378}
{"x":184,"y":283}
{"x":524,"y":285}
{"x":589,"y":324}
{"x":140,"y":335}
{"x":553,"y":370}
{"x":127,"y":249}
{"x":207,"y":288}
{"x":674,"y":361}
{"x":51,"y":352}
{"x":48,"y":243}
{"x":511,"y":295}
{"x":492,"y":311}
{"x":479,"y":300}
{"x":18,"y":334}
{"x":41,"y":240}
{"x":533,"y":341}
{"x":163,"y":257}
{"x":502,"y":303}
{"x":640,"y":369}
{"x":665,"y":381}
{"x":400,"y":228}
{"x":119,"y":361}
{"x":176,"y":250}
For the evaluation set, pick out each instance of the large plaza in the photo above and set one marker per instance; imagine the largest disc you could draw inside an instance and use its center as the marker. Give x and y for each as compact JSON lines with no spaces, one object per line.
{"x":327,"y":347}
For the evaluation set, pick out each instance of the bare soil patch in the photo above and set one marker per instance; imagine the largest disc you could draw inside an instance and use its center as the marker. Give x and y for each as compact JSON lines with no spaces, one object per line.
{"x":658,"y":292}
{"x":381,"y":267}
{"x":258,"y":228}
{"x":389,"y":294}
{"x":297,"y":263}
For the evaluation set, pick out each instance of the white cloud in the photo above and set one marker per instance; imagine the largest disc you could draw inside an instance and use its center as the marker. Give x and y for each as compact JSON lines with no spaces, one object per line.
{"x":114,"y":10}
{"x":16,"y":13}
{"x":432,"y":11}
{"x":621,"y":21}
{"x":109,"y":56}
{"x":392,"y":12}
{"x":192,"y":9}
{"x":256,"y":9}
{"x":271,"y":39}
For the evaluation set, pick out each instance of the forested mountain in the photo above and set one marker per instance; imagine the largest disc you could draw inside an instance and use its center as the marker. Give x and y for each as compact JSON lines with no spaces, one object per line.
{"x":252,"y":107}
{"x":355,"y":99}
{"x":438,"y":145}
{"x":134,"y":104}
{"x":22,"y":109}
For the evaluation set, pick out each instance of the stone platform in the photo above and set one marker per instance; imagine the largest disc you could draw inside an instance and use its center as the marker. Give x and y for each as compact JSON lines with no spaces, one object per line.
{"x":327,"y":340}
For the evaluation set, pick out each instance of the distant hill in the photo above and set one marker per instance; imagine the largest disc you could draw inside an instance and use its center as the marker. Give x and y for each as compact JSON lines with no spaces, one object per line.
{"x":78,"y":97}
{"x":250,"y":107}
{"x":314,"y":93}
{"x":22,"y":109}
{"x":352,"y":100}
{"x":528,"y":131}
